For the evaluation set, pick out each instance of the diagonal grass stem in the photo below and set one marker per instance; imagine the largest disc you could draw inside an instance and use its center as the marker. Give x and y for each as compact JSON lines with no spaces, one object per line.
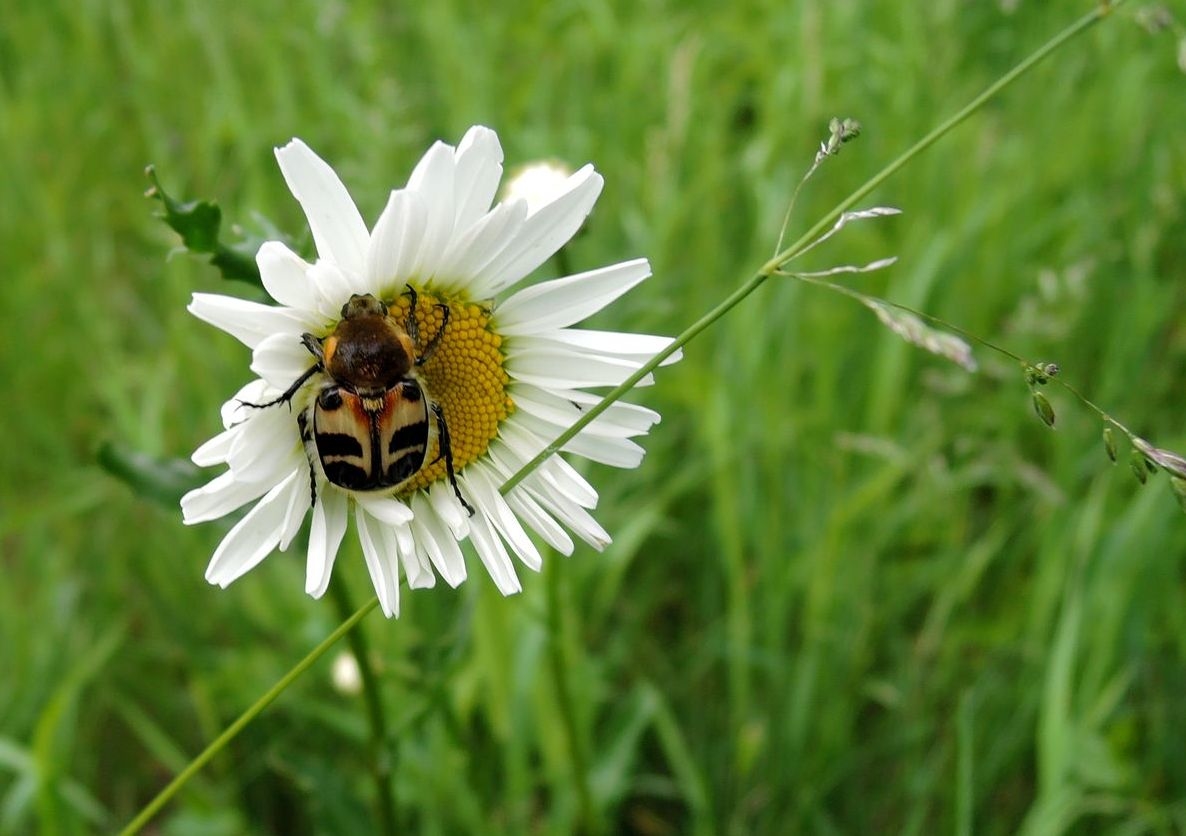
{"x":768,"y":269}
{"x":219,"y":743}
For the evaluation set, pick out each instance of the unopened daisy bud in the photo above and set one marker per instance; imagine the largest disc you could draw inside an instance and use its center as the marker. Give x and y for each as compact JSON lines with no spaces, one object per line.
{"x":1110,"y":444}
{"x":347,"y":678}
{"x":1043,"y":408}
{"x":1137,"y":462}
{"x":537,"y":183}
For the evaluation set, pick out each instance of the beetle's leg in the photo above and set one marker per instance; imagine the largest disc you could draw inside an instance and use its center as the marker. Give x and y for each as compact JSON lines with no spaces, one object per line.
{"x":447,"y":452}
{"x":314,"y":346}
{"x":289,"y":393}
{"x":306,"y":439}
{"x":410,"y":324}
{"x":436,"y":338}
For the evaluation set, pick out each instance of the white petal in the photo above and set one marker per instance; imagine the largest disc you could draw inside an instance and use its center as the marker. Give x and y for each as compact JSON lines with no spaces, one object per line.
{"x":219,"y":497}
{"x":285,"y":276}
{"x":215,"y":450}
{"x":641,"y":347}
{"x":335,"y":287}
{"x":495,"y":508}
{"x":266,"y":445}
{"x":563,"y":478}
{"x":396,"y":242}
{"x":248,"y":322}
{"x":539,"y":521}
{"x":615,"y":452}
{"x":572,"y":515}
{"x":493,"y":554}
{"x":325,"y":536}
{"x":237,"y":409}
{"x":386,"y":509}
{"x":298,"y":506}
{"x":436,"y":541}
{"x":254,"y":537}
{"x":479,"y":168}
{"x":433,"y":180}
{"x":280,"y":359}
{"x":562,"y":302}
{"x":338,"y":230}
{"x":563,"y":409}
{"x":380,"y":559}
{"x":519,"y":443}
{"x":568,"y":369}
{"x":545,"y":231}
{"x":448,"y":509}
{"x":545,"y":406}
{"x":416,"y":566}
{"x":637,"y":419}
{"x":477,"y":246}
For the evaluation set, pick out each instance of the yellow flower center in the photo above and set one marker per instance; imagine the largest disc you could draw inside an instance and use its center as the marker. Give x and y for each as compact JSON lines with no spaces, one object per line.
{"x":464,"y":375}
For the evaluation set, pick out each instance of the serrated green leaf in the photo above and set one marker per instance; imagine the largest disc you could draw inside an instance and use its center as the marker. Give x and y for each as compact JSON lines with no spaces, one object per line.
{"x":199,"y":223}
{"x":164,"y":481}
{"x":196,"y":221}
{"x":238,"y":262}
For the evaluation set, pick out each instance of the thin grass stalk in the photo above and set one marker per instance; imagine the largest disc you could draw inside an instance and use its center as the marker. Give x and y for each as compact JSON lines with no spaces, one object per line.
{"x":774,"y":264}
{"x":219,"y":743}
{"x":380,"y":755}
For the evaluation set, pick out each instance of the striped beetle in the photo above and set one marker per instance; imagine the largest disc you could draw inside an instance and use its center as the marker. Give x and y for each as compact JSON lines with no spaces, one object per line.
{"x":367,"y":428}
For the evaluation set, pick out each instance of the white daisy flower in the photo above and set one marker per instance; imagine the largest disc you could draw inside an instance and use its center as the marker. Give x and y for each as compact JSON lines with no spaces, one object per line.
{"x":508,"y":373}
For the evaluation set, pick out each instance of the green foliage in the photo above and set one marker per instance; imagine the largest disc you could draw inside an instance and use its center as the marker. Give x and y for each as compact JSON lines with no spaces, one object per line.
{"x":853,"y":588}
{"x":199,"y":223}
{"x":162,"y":480}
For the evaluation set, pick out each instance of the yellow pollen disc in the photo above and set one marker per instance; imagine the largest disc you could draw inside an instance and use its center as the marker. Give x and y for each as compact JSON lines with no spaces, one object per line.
{"x":464,"y":375}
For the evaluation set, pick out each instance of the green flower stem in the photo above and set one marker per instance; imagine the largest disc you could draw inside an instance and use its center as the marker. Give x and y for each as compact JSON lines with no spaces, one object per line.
{"x":564,"y":697}
{"x":220,"y":742}
{"x":776,"y":263}
{"x":380,"y":754}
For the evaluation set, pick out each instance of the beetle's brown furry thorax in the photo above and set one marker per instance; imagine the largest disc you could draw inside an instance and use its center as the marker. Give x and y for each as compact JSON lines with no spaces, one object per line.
{"x":369,"y":353}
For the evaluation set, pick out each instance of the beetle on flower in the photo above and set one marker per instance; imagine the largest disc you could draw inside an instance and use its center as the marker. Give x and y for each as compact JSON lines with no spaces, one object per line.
{"x":498,"y":375}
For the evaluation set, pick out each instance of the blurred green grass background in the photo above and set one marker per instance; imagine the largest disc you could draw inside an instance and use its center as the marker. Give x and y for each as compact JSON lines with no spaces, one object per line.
{"x":852,"y":588}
